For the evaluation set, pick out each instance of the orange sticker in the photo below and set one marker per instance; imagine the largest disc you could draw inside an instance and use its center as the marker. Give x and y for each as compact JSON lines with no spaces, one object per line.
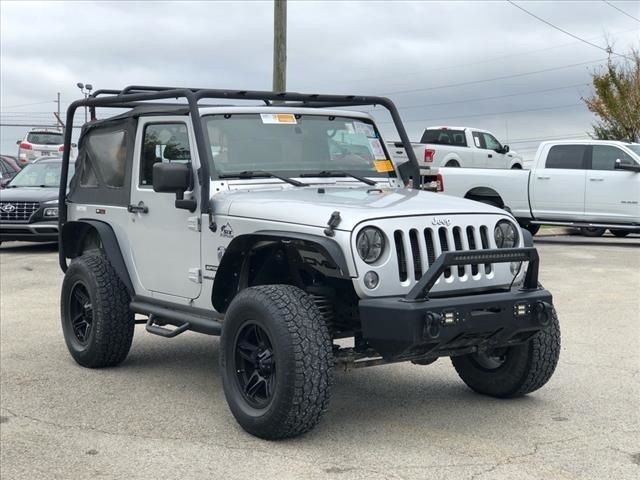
{"x":286,"y":118}
{"x":383,"y":166}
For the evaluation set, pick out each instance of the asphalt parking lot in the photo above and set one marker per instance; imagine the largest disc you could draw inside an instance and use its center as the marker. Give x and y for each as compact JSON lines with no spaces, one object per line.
{"x":162,"y":413}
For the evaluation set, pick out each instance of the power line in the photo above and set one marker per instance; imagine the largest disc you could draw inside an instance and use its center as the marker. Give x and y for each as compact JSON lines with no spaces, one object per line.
{"x":608,"y":50}
{"x":479,"y":62}
{"x":28,"y":104}
{"x":621,"y":11}
{"x":546,"y":90}
{"x":503,"y":77}
{"x":489,"y":114}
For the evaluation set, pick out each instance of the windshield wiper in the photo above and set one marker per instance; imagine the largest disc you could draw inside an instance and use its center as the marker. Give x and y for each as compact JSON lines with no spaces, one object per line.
{"x":262,"y":174}
{"x":339,"y":173}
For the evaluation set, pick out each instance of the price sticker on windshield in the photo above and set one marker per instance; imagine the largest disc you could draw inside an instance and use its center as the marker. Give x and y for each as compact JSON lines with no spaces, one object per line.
{"x":278,"y":118}
{"x":376,"y":148}
{"x":383,"y":166}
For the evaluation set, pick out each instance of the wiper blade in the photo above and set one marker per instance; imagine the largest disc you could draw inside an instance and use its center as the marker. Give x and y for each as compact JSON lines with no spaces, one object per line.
{"x":339,"y":173}
{"x":262,"y":174}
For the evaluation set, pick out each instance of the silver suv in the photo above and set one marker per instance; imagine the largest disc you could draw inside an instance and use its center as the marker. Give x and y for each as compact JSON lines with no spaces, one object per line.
{"x":39,"y":143}
{"x":287,"y":230}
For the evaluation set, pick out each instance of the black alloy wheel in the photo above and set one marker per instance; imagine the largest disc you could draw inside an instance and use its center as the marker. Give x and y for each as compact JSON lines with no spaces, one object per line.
{"x":81,"y":311}
{"x":255,"y":365}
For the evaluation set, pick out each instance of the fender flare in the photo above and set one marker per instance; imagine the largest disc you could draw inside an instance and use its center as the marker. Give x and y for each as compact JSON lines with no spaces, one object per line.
{"x":234,"y":256}
{"x":72,"y":236}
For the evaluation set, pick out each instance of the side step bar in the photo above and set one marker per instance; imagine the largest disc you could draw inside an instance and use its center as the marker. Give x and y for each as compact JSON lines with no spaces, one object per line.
{"x":182,"y":317}
{"x":586,"y":224}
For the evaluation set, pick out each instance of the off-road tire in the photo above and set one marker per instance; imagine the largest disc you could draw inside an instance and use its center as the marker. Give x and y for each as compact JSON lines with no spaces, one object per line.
{"x":619,"y":233}
{"x":303,"y":352}
{"x":532,"y":228}
{"x":592,"y":231}
{"x":111,"y":333}
{"x":527,"y":367}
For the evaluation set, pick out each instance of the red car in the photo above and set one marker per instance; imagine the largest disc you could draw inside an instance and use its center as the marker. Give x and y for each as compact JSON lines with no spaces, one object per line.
{"x":8,"y":169}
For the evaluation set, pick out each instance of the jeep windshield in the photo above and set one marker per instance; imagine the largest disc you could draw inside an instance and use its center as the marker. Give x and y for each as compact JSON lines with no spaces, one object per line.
{"x":297,"y":145}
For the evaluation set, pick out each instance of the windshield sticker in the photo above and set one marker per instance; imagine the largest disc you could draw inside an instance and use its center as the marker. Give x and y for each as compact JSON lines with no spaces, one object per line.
{"x":376,"y":148}
{"x":272,"y":118}
{"x":366,"y":129}
{"x":383,"y":166}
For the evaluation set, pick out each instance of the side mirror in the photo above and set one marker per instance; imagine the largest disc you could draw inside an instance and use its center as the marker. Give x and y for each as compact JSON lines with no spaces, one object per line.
{"x":174,"y":178}
{"x":18,"y":142}
{"x":627,"y":167}
{"x":505,"y":149}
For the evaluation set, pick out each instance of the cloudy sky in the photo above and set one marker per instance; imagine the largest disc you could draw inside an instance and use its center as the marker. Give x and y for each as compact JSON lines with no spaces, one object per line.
{"x":482,"y":64}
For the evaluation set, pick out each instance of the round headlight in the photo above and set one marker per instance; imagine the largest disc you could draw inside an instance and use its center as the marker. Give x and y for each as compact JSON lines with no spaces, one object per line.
{"x":370,"y":244}
{"x":506,"y":234}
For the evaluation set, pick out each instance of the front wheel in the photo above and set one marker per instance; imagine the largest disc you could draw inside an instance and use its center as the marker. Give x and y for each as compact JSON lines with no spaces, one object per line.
{"x":276,"y":360}
{"x":620,"y":233}
{"x":513,"y":371}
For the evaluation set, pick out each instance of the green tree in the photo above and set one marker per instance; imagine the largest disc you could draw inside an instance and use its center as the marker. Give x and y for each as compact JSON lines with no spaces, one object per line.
{"x":616,"y":99}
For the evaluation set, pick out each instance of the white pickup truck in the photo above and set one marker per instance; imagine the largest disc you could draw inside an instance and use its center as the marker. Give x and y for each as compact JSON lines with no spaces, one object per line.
{"x":458,"y":147}
{"x":590,"y":184}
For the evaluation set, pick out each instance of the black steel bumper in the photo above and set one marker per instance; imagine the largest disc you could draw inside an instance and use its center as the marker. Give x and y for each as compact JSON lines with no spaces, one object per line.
{"x":416,"y":325}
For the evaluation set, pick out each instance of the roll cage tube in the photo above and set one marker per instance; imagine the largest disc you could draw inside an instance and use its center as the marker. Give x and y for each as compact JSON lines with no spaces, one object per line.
{"x":136,"y":95}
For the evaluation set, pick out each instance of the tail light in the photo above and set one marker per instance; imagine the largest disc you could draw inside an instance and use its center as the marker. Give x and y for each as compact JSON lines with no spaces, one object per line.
{"x":25,"y":146}
{"x":428,"y":155}
{"x":61,"y":148}
{"x":440,"y":183}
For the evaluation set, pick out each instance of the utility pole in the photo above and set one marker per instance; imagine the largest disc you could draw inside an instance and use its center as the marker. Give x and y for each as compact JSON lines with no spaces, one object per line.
{"x":58,"y":112}
{"x":279,"y":45}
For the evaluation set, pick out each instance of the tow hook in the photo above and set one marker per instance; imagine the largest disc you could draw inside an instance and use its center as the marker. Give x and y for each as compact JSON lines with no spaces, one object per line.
{"x":543,"y":311}
{"x":432,"y":322}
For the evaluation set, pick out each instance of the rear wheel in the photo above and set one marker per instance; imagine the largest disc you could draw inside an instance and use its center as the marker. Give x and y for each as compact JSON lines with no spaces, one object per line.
{"x":592,"y":231}
{"x":452,"y":163}
{"x":96,"y":320}
{"x":533,"y":229}
{"x":276,"y":360}
{"x":513,"y":371}
{"x":620,"y":233}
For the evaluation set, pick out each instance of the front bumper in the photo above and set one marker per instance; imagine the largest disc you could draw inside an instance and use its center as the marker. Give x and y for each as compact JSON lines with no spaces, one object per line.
{"x":396,"y":328}
{"x":419,"y":326}
{"x":29,"y":232}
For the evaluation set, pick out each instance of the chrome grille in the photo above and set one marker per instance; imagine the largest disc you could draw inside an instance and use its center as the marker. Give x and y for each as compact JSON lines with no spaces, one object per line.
{"x":417,"y":249}
{"x":17,"y":211}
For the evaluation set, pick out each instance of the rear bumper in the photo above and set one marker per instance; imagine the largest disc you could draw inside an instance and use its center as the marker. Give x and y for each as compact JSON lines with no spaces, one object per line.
{"x":29,"y":232}
{"x":396,"y":328}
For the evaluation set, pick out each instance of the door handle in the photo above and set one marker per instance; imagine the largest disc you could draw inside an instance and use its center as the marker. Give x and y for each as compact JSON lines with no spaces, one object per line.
{"x":140,"y":208}
{"x":544,"y":178}
{"x":596,"y":179}
{"x":490,"y":155}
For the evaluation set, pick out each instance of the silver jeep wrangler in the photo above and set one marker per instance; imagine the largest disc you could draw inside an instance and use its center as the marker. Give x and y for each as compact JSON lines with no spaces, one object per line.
{"x":285,"y":229}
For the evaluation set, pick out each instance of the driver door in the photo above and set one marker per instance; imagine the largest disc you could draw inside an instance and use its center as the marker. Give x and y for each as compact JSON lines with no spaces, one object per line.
{"x":165,"y":240}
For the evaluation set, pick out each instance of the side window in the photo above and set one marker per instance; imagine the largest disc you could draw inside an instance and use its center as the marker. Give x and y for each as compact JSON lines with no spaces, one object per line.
{"x":106,"y":152}
{"x":567,"y":157}
{"x":490,"y":142}
{"x":478,"y":140}
{"x":604,"y":157}
{"x":163,"y":142}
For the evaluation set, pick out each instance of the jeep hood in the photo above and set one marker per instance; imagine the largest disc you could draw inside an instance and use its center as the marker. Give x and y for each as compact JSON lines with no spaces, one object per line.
{"x":314,"y":206}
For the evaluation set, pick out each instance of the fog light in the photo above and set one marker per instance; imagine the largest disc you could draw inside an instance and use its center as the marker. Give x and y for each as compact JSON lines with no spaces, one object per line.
{"x":521,"y":310}
{"x":371,"y":280}
{"x":449,"y":317}
{"x":51,"y":212}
